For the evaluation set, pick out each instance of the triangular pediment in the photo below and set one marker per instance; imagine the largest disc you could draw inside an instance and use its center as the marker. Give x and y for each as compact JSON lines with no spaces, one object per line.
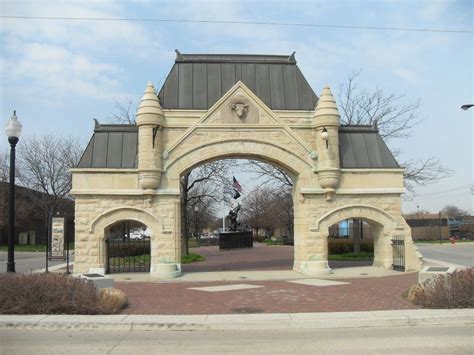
{"x":223,"y":116}
{"x":240,"y":106}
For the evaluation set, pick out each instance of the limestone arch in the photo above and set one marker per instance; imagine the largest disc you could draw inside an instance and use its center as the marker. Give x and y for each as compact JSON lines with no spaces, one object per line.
{"x":384,"y":227}
{"x":266,"y":151}
{"x":298,"y":166}
{"x":99,"y":226}
{"x":106,"y":219}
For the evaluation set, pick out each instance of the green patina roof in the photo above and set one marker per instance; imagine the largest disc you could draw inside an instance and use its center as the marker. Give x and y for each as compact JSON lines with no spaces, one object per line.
{"x":115,"y":146}
{"x":197,"y":81}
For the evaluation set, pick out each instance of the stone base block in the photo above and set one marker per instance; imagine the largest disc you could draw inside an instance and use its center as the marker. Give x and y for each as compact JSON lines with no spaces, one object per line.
{"x":165,"y":271}
{"x":312,"y":268}
{"x":97,"y":270}
{"x":99,"y":281}
{"x":431,"y":271}
{"x":383,"y":263}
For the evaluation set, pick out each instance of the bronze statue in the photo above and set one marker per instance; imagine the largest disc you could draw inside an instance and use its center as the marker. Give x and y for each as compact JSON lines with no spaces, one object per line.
{"x":232,"y":217}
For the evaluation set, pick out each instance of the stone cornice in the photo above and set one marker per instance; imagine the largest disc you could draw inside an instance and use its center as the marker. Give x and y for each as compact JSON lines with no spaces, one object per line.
{"x":103,"y":170}
{"x":372,"y":170}
{"x":124,"y":192}
{"x":362,"y":191}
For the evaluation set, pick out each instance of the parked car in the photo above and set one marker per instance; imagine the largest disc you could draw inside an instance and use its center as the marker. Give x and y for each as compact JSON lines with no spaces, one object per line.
{"x":136,"y":235}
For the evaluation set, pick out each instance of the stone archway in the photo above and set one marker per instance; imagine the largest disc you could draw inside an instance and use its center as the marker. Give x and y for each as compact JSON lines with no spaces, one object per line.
{"x":298,"y":169}
{"x":383,"y":226}
{"x":133,"y":171}
{"x":97,"y":230}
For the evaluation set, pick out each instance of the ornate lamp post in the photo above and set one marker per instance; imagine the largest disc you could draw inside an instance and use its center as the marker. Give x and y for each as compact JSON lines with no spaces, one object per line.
{"x":13,"y":131}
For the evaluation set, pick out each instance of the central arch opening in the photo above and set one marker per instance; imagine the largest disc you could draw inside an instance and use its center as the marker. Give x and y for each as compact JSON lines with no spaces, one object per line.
{"x":237,"y":195}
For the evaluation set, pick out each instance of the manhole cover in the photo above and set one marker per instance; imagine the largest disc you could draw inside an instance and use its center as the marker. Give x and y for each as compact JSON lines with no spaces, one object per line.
{"x":246,"y":310}
{"x":243,"y":277}
{"x":127,"y":278}
{"x":364,"y":274}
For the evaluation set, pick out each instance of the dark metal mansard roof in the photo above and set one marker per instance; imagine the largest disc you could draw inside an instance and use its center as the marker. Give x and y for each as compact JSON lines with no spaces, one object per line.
{"x":197,"y":81}
{"x":362,"y":147}
{"x":115,"y":146}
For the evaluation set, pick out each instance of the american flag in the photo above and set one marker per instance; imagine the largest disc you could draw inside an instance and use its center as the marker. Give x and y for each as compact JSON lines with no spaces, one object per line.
{"x":236,"y":185}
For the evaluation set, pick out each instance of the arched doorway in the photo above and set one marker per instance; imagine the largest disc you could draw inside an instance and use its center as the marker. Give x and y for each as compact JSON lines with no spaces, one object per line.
{"x":264,"y":203}
{"x":383,"y":228}
{"x":127,"y":247}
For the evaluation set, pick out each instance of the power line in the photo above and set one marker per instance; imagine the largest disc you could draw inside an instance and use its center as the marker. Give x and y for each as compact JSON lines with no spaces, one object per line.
{"x":446,"y":191}
{"x":227,"y":22}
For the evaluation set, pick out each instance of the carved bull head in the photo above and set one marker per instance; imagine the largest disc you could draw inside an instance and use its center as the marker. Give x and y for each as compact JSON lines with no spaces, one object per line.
{"x":240,"y":109}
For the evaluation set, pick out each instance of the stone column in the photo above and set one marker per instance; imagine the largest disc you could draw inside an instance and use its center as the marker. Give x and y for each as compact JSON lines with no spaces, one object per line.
{"x":150,"y":120}
{"x":165,"y":247}
{"x":326,"y":123}
{"x":311,"y":252}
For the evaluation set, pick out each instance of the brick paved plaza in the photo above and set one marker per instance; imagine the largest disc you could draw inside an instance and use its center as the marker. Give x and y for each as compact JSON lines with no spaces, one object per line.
{"x":180,"y":297}
{"x":361,"y":294}
{"x":260,"y":257}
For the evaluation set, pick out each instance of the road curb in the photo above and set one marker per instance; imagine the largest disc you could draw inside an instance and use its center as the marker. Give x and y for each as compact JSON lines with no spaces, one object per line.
{"x":234,"y":322}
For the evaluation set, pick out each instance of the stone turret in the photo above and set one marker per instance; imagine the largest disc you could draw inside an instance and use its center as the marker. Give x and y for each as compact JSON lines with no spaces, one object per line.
{"x":327,"y":122}
{"x":150,"y":120}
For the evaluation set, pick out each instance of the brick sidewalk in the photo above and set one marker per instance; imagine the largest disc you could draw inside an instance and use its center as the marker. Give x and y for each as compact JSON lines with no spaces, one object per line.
{"x":362,"y":294}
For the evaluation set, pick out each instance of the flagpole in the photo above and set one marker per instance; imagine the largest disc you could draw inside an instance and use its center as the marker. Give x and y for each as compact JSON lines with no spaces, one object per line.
{"x":223,"y":208}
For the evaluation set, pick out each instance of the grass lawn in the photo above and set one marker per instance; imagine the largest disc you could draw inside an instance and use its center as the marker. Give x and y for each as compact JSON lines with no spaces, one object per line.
{"x":191,"y":258}
{"x":31,"y":248}
{"x":142,"y":260}
{"x":351,"y":256}
{"x":23,"y":247}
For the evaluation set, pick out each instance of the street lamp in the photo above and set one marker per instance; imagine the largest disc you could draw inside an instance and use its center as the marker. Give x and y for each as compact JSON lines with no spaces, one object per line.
{"x":467,"y":106}
{"x":13,"y":131}
{"x":325,"y":136}
{"x":196,"y":210}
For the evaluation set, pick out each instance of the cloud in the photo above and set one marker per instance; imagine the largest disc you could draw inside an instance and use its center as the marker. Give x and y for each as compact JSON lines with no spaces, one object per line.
{"x":65,"y":57}
{"x":432,"y":10}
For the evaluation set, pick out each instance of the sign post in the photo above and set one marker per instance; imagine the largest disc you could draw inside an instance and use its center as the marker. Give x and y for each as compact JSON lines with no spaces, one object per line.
{"x":57,"y":249}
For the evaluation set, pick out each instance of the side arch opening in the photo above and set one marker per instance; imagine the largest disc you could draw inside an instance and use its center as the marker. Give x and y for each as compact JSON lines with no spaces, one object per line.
{"x":128,"y":247}
{"x":348,"y":226}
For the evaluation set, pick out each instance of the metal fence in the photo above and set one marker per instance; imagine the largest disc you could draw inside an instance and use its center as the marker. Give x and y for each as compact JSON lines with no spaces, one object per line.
{"x":127,"y":255}
{"x":398,"y":245}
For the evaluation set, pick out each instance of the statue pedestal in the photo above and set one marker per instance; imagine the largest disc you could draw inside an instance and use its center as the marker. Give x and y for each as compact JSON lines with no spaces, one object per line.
{"x":234,"y":240}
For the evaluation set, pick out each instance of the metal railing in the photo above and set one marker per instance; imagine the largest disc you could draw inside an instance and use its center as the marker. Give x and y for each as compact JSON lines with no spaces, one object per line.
{"x":127,"y":255}
{"x":398,"y":245}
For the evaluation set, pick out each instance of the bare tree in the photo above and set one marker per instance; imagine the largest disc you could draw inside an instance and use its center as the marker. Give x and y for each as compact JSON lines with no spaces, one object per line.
{"x":4,"y":169}
{"x":122,"y":113}
{"x":395,"y":119}
{"x":422,"y":173}
{"x":268,"y":174}
{"x":255,"y":209}
{"x":454,"y":211}
{"x":43,"y":165}
{"x":201,"y":187}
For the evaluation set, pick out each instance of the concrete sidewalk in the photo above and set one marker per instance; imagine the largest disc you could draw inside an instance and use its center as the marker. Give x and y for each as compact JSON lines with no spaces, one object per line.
{"x":402,"y":318}
{"x":258,"y":275}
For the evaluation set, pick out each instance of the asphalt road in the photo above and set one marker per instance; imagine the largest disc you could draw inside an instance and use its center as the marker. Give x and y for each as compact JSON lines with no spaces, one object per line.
{"x":28,"y":261}
{"x":453,"y":339}
{"x":459,"y":253}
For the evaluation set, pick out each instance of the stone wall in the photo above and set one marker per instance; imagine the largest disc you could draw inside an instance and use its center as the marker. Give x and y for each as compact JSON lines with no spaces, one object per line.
{"x":94,"y":214}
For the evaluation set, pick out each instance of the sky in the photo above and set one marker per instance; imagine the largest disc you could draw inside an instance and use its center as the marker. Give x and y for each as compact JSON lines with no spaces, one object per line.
{"x":60,"y":74}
